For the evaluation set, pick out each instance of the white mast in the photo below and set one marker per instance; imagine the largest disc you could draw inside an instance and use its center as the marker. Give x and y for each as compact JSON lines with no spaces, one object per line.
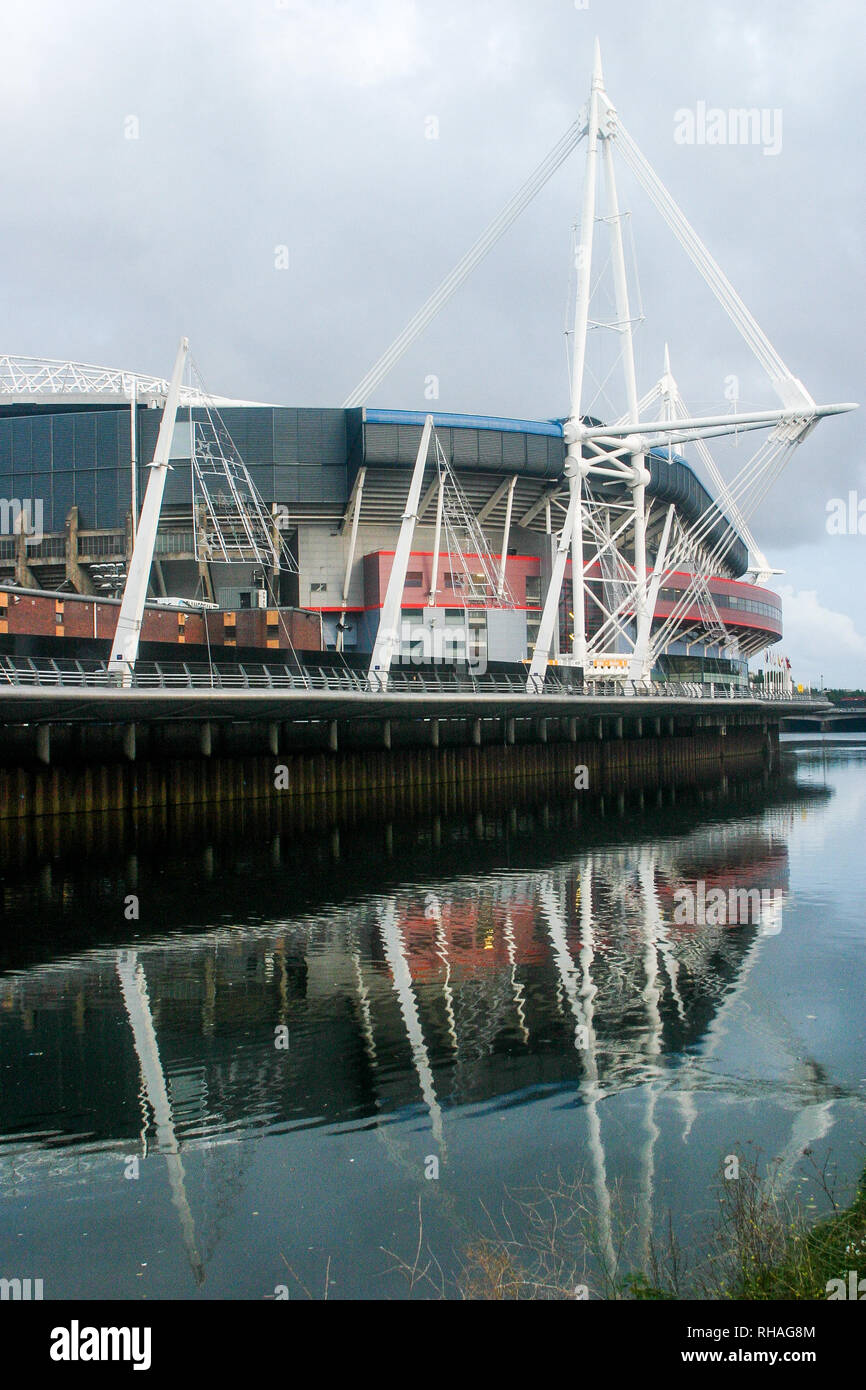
{"x":124,"y":648}
{"x":575,"y":467}
{"x":616,"y":454}
{"x":640,"y":475}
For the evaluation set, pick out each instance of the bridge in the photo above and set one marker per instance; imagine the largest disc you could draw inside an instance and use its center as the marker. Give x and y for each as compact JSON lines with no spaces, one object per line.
{"x":846,"y":717}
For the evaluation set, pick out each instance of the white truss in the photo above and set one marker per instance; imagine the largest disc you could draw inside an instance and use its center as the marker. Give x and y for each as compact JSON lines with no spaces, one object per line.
{"x":481,"y":584}
{"x":39,"y":378}
{"x":232,"y":522}
{"x":689,"y":555}
{"x":464,"y":537}
{"x":601,"y":456}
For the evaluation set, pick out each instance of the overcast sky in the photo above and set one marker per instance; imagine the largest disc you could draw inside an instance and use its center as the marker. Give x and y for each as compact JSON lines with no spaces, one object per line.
{"x":158,"y":157}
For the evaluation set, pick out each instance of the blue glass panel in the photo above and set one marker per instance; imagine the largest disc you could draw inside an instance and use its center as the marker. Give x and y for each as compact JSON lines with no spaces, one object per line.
{"x":22,"y":458}
{"x":62,"y":443}
{"x":63,"y":491}
{"x":85,"y":441}
{"x":106,"y":498}
{"x":107,"y":439}
{"x":5,"y":448}
{"x":85,"y":498}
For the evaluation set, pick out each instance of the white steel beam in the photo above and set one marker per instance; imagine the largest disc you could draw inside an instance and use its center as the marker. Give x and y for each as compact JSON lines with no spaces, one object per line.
{"x":640,"y":476}
{"x":550,"y":612}
{"x":542,"y":504}
{"x":492,"y":502}
{"x":428,"y":498}
{"x":437,"y":542}
{"x":387,"y":642}
{"x":791,"y":392}
{"x":642,"y":660}
{"x":576,"y":466}
{"x":124,"y":649}
{"x":577,"y":472}
{"x":657,"y":432}
{"x":461,"y":272}
{"x":133,"y":457}
{"x":358,"y":495}
{"x":506,"y":537}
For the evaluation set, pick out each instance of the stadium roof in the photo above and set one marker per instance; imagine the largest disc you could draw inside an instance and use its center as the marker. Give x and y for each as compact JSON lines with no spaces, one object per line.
{"x":38,"y":380}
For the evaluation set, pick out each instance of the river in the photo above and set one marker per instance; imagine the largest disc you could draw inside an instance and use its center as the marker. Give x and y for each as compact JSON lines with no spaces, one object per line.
{"x":240,"y":1060}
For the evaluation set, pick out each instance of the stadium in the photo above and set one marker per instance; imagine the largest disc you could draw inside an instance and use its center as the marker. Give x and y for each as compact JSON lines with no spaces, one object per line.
{"x":76,"y":442}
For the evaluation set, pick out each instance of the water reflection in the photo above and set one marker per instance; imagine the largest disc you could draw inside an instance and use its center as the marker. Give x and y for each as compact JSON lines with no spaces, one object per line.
{"x":154,"y":1091}
{"x":420,"y":970}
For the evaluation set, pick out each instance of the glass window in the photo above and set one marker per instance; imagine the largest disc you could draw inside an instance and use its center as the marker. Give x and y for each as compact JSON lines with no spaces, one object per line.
{"x":64,"y":496}
{"x":5,"y":447}
{"x":22,"y":458}
{"x":107,"y":454}
{"x":106,"y":499}
{"x":62,"y":444}
{"x":84,"y":431}
{"x":85,"y":497}
{"x":40,"y":510}
{"x":181,"y":440}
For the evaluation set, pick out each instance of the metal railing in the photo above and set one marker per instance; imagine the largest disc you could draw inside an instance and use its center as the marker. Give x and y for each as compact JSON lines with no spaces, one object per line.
{"x":175,"y":543}
{"x":48,"y":672}
{"x":102,"y":545}
{"x":49,"y":548}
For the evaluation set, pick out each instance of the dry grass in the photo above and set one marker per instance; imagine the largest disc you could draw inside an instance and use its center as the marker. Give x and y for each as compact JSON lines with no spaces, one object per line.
{"x":552,"y":1241}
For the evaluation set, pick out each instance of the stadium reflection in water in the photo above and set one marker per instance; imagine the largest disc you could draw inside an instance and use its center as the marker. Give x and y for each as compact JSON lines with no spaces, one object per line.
{"x":254,"y":1075}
